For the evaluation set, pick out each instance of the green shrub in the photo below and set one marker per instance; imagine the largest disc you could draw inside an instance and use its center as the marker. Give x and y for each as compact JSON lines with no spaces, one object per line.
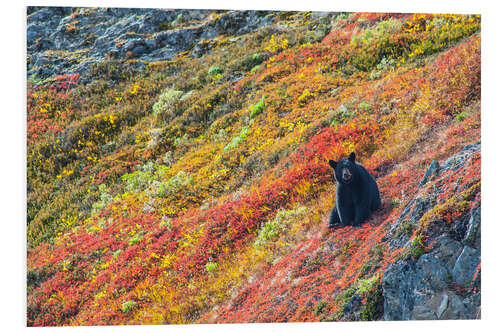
{"x":235,"y":142}
{"x":214,"y":70}
{"x":257,"y":108}
{"x":117,"y":253}
{"x":174,"y":184}
{"x":166,"y":222}
{"x":373,"y":308}
{"x":168,"y":158}
{"x":417,"y":247}
{"x":382,"y":29}
{"x":136,"y":238}
{"x":395,"y":202}
{"x":388,"y":47}
{"x":342,"y":16}
{"x":444,"y":32}
{"x":387,"y":64}
{"x":272,"y":229}
{"x":141,"y":178}
{"x":320,"y":307}
{"x":460,"y":116}
{"x":245,"y":63}
{"x":151,"y":177}
{"x":211,"y":266}
{"x":340,"y":116}
{"x":166,"y":102}
{"x":178,"y":20}
{"x":128,"y":306}
{"x":365,"y":285}
{"x":105,"y":199}
{"x":254,"y":69}
{"x":369,"y":289}
{"x":406,"y":227}
{"x":365,"y":106}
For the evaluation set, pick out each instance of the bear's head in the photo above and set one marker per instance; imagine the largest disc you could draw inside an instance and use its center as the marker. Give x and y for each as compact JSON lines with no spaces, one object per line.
{"x":345,"y":169}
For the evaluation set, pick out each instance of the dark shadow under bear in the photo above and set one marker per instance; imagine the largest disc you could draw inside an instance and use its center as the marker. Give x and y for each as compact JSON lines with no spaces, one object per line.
{"x":357,"y":193}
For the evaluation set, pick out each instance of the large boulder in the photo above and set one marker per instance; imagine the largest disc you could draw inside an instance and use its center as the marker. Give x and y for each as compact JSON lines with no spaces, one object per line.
{"x":443,"y":283}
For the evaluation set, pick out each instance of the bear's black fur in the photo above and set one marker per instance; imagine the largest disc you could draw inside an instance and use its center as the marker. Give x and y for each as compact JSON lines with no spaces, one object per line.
{"x":357,"y":193}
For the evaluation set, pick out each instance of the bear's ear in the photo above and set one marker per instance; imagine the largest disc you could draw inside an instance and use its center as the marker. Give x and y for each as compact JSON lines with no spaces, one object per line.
{"x":352,"y":157}
{"x":332,"y":163}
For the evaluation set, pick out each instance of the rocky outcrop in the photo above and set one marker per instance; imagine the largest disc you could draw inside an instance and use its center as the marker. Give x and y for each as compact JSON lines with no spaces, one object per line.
{"x":445,"y":282}
{"x":64,"y":40}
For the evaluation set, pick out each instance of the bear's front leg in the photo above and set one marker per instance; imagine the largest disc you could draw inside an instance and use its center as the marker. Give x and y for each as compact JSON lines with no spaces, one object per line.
{"x":361,"y":214}
{"x":345,"y":205}
{"x":346,"y":214}
{"x":334,"y":218}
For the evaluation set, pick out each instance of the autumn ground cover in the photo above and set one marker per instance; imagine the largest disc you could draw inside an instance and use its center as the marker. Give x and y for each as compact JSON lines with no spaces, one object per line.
{"x":198,"y":189}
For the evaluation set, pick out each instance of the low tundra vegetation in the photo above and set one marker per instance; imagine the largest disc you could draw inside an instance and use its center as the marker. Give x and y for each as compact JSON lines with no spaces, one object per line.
{"x":182,"y":193}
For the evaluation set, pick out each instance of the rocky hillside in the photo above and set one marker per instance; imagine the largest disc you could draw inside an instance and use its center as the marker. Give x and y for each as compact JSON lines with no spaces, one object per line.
{"x":178,"y":166}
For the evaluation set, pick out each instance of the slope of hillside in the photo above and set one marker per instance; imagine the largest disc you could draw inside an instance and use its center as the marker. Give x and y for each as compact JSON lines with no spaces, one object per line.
{"x":178,"y":166}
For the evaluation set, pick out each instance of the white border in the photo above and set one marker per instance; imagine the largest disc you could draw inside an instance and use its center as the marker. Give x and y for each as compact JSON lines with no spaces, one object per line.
{"x":13,"y":134}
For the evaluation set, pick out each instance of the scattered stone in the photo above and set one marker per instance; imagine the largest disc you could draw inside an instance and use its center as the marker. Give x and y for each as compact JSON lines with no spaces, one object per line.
{"x":473,"y":234}
{"x":432,"y":170}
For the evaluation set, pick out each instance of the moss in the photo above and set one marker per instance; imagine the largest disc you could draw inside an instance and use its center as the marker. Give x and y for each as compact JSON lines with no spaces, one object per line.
{"x":414,"y":251}
{"x":373,"y":308}
{"x":417,"y":247}
{"x":341,"y":300}
{"x":406,"y":227}
{"x":320,"y":307}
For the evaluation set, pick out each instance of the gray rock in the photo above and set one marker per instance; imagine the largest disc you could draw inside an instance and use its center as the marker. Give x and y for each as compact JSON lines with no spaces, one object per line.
{"x":423,"y":312}
{"x":397,"y":286}
{"x":352,"y":308}
{"x":447,"y":251}
{"x":455,"y":308}
{"x":432,"y":170}
{"x":419,"y":291}
{"x":321,"y":15}
{"x":431,"y":273}
{"x":33,"y":32}
{"x":409,"y":287}
{"x":472,"y":147}
{"x":473,"y":235}
{"x":421,"y":205}
{"x":427,"y":289}
{"x":465,"y":266}
{"x":44,"y":14}
{"x":121,"y":33}
{"x":443,"y":305}
{"x":406,"y":210}
{"x":411,"y":214}
{"x":458,"y":160}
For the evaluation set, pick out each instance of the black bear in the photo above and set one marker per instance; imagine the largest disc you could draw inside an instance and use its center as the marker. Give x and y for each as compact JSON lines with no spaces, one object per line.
{"x":357,"y":193}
